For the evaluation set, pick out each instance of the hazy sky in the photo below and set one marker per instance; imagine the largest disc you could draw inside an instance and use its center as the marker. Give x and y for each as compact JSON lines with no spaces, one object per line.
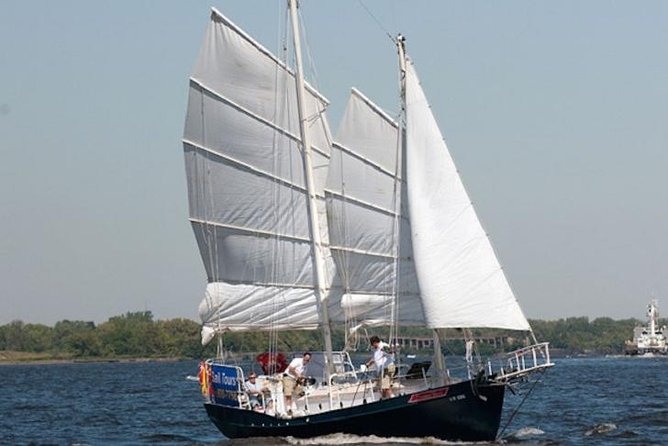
{"x":555,"y":113}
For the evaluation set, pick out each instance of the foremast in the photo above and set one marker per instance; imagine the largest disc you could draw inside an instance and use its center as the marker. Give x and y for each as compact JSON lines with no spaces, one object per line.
{"x":314,"y":221}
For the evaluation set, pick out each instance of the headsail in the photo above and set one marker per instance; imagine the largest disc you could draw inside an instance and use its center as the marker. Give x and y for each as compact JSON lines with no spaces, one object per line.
{"x":365,"y":219}
{"x":461,"y":281}
{"x":247,"y":193}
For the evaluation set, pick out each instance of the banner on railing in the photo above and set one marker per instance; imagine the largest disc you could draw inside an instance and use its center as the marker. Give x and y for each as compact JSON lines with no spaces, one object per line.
{"x":226,"y":382}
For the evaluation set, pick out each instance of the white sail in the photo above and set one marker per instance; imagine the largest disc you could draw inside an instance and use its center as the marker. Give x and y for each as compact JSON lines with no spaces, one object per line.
{"x":363,"y":210}
{"x":247,"y":194}
{"x":461,"y":281}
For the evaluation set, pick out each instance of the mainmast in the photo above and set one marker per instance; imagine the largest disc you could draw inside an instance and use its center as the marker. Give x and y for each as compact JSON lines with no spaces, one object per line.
{"x":318,"y":257}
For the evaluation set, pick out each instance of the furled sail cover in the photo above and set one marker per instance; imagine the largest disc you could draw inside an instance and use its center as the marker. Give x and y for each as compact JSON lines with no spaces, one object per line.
{"x":363,"y":204}
{"x":246,"y":187}
{"x":461,"y":281}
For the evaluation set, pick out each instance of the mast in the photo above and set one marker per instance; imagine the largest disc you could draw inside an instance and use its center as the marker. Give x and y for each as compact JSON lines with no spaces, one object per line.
{"x":438,"y":358}
{"x":318,"y":257}
{"x":401,"y":46}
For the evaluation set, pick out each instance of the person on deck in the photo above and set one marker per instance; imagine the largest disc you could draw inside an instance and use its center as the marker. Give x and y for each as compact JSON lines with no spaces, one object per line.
{"x":384,"y":362}
{"x":254,"y":391}
{"x":293,"y":377}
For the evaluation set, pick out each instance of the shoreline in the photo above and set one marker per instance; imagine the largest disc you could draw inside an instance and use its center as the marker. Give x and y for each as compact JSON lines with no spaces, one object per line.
{"x":56,"y":361}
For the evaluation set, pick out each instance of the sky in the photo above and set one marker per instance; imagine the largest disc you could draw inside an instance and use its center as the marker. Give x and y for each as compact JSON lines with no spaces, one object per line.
{"x":554,"y":112}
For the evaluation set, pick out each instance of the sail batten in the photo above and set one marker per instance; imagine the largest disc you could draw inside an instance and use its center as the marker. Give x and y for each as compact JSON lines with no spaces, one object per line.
{"x":365,"y":160}
{"x":351,"y":200}
{"x":284,"y":286}
{"x":220,"y":17}
{"x":372,"y":106}
{"x":248,"y":167}
{"x":253,"y":231}
{"x":257,"y":117}
{"x":361,"y":251}
{"x":241,"y":164}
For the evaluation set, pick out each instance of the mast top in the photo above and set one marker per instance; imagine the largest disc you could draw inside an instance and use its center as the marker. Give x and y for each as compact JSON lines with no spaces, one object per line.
{"x":401,"y":43}
{"x":401,"y":47}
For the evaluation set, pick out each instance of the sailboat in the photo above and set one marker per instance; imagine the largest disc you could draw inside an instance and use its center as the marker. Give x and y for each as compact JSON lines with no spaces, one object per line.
{"x":300,"y":230}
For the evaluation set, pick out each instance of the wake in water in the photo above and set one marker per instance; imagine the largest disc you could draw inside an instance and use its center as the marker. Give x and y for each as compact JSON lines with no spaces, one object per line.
{"x":523,"y":433}
{"x":601,"y":429}
{"x":167,"y":439}
{"x":350,"y":439}
{"x":526,"y":435}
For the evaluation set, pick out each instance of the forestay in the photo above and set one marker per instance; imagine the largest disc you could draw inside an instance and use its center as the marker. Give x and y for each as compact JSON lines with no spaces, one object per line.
{"x":461,"y":281}
{"x":247,"y":194}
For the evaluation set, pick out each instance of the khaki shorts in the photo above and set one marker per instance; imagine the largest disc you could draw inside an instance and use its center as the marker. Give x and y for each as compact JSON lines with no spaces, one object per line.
{"x":290,"y":386}
{"x":388,"y":376}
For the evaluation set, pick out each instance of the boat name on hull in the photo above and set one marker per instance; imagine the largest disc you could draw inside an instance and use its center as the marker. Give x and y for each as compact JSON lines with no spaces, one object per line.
{"x":428,"y":395}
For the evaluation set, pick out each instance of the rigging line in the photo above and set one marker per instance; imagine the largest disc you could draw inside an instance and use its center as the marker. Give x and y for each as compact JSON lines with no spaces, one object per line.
{"x":375,"y":19}
{"x":345,"y":256}
{"x":395,"y":286}
{"x":281,"y":112}
{"x":275,"y":191}
{"x":517,"y":409}
{"x":309,"y":56}
{"x":293,"y":201}
{"x":210,"y":232}
{"x":320,"y":106}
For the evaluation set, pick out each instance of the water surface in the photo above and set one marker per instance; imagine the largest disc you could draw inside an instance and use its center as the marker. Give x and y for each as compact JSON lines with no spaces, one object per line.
{"x":582,"y":401}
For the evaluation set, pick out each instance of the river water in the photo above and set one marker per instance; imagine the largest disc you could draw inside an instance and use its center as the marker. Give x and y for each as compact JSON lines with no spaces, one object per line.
{"x":581,"y":401}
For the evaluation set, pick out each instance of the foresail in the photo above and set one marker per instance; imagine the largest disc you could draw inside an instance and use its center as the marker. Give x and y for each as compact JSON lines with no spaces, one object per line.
{"x":363,"y":205}
{"x":461,"y":281}
{"x":246,"y":188}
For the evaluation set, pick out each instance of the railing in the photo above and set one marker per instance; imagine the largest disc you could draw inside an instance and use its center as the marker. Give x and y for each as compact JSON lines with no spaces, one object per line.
{"x":521,"y":363}
{"x":335,"y":388}
{"x":350,"y":388}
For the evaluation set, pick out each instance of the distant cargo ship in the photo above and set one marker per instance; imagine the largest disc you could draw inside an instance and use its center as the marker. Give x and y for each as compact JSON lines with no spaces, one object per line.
{"x":649,"y":339}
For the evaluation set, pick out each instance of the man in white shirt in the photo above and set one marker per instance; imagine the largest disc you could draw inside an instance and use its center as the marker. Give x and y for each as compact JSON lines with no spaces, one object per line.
{"x":384,"y":362}
{"x":292,"y":378}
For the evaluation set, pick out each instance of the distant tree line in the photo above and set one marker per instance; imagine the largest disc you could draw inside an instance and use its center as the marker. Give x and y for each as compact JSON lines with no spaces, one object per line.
{"x":603,"y":335}
{"x":139,"y":335}
{"x":129,"y":335}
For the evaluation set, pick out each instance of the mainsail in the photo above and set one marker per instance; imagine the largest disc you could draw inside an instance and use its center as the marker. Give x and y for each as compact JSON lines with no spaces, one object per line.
{"x":246,"y":185}
{"x":369,"y":240}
